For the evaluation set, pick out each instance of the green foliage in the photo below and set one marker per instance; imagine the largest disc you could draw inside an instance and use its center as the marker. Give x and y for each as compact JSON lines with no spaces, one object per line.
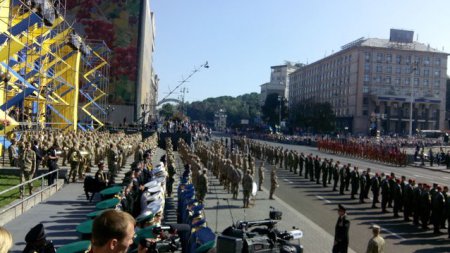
{"x":241,"y":107}
{"x":167,"y":111}
{"x":313,"y":117}
{"x":271,"y":109}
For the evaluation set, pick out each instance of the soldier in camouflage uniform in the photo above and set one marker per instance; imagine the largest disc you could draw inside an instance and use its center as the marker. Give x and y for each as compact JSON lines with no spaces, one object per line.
{"x":273,"y":182}
{"x":27,"y":167}
{"x":247,"y":186}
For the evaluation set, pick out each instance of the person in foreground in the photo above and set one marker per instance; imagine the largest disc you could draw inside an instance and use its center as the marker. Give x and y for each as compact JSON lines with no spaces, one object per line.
{"x":113,"y":232}
{"x":341,"y":237}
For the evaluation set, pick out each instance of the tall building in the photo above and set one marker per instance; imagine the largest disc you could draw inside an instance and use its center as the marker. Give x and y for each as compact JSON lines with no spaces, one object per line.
{"x":370,"y":84}
{"x":128,"y":29}
{"x":279,"y":80}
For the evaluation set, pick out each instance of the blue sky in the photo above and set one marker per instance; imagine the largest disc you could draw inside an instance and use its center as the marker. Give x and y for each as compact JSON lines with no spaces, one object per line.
{"x":241,"y":39}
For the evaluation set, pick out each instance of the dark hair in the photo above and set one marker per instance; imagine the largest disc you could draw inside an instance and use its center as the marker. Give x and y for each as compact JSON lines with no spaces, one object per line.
{"x":111,"y":224}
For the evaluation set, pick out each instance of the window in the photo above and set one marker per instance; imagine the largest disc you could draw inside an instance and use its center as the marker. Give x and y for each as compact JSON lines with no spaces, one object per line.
{"x":437,"y":73}
{"x":367,"y":56}
{"x":425,"y":82}
{"x":407,"y":81}
{"x":367,"y":68}
{"x":426,"y":72}
{"x":378,"y":79}
{"x":398,"y":59}
{"x":365,"y":100}
{"x":398,"y":70}
{"x":408,"y":59}
{"x":437,"y":83}
{"x":387,"y":80}
{"x":365,"y":89}
{"x":437,"y":62}
{"x":398,"y":81}
{"x":416,"y":82}
{"x":426,"y":61}
{"x":379,"y":57}
{"x":389,"y":69}
{"x":379,"y":69}
{"x":366,"y":78}
{"x":365,"y":112}
{"x":388,"y":58}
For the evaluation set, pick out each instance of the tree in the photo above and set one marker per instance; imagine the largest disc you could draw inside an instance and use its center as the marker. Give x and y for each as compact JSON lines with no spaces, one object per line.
{"x":312,"y":116}
{"x":167,"y":111}
{"x":271,"y":109}
{"x":241,"y":107}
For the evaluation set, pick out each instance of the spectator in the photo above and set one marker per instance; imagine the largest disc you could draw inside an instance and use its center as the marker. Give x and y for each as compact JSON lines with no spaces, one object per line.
{"x":113,"y":231}
{"x":5,"y":240}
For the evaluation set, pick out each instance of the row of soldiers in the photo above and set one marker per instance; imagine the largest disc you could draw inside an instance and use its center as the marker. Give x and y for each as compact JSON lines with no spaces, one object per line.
{"x":390,"y":154}
{"x":29,"y":150}
{"x":429,"y":205}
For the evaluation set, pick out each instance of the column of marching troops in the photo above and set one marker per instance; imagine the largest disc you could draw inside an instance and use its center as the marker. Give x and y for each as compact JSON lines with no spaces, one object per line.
{"x":377,"y":152}
{"x":422,"y":203}
{"x":231,"y":168}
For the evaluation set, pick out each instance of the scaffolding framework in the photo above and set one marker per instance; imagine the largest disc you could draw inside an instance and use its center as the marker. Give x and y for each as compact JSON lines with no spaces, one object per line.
{"x":49,"y":76}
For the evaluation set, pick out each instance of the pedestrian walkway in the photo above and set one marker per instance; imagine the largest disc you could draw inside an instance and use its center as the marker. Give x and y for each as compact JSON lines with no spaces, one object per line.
{"x":222,"y":211}
{"x":61,"y":213}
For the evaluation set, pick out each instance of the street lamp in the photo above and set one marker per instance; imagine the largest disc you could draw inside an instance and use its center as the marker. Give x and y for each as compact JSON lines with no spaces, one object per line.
{"x":279,"y":111}
{"x":414,"y":67}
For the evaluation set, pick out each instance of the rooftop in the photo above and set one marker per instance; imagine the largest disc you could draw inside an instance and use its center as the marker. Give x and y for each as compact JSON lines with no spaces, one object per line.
{"x":385,"y":43}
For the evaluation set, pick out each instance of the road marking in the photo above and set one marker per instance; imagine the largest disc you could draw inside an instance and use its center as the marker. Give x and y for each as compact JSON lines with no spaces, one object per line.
{"x":285,"y":180}
{"x":393,"y":234}
{"x":322,"y":198}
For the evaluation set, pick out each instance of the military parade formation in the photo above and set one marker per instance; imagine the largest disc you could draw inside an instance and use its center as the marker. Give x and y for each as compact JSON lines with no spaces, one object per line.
{"x":239,"y":164}
{"x":421,"y":203}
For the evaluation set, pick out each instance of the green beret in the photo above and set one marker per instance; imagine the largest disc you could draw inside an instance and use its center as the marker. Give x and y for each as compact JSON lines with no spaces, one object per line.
{"x":75,"y":247}
{"x":108,"y":203}
{"x":85,"y":228}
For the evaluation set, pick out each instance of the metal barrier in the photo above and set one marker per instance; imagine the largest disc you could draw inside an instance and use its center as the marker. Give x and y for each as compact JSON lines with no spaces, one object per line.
{"x":42,"y":189}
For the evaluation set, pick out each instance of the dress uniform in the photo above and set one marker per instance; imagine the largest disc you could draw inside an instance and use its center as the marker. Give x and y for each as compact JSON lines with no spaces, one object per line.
{"x":341,"y":234}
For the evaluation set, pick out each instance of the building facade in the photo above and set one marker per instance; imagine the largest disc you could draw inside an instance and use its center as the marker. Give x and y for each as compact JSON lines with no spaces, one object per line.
{"x":370,"y":84}
{"x":279,"y":80}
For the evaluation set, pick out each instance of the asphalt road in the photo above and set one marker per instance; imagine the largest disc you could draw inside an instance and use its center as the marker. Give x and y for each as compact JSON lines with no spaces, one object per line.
{"x":320,"y":205}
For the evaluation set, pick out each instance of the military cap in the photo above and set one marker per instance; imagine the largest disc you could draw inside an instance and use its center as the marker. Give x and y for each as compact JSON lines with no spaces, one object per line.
{"x":342,"y":208}
{"x":101,"y":163}
{"x":199,"y":223}
{"x":94,"y":214}
{"x":145,"y":216}
{"x":151,"y":184}
{"x":155,"y":206}
{"x":197,"y":208}
{"x":37,"y":233}
{"x":146,"y":232}
{"x":108,"y":203}
{"x":374,"y":226}
{"x":75,"y":247}
{"x":85,"y":228}
{"x":110,"y":192}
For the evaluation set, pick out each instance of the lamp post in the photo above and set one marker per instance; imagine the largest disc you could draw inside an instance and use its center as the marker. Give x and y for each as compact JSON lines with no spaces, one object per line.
{"x":279,"y":111}
{"x":414,"y":67}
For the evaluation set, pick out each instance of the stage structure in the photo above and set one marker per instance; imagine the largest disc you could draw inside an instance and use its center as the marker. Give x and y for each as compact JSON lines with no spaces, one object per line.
{"x":49,"y":76}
